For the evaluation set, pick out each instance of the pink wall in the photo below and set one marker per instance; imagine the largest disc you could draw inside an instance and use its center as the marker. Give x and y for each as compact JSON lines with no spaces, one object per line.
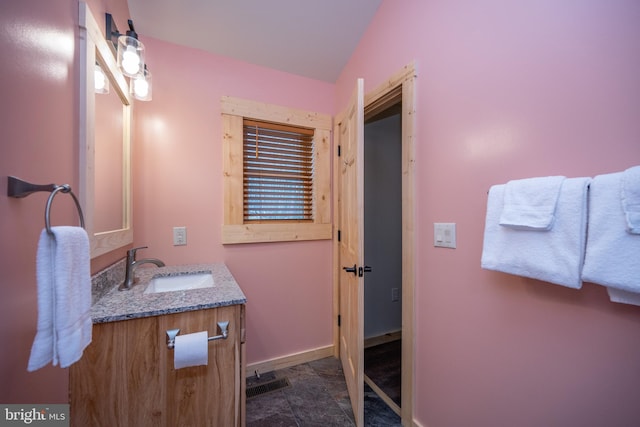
{"x":178,"y":182}
{"x":511,"y":90}
{"x":39,"y":86}
{"x":504,"y":91}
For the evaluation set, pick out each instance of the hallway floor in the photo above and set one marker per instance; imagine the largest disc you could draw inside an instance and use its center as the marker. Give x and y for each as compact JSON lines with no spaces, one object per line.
{"x":383,"y":365}
{"x":317,"y":396}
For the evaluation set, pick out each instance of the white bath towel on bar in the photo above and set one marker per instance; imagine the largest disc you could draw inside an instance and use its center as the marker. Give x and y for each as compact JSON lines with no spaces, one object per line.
{"x":612,"y":257}
{"x":530,"y":204}
{"x":630,"y":194}
{"x":623,"y":297}
{"x":555,"y":255}
{"x":64,"y":298}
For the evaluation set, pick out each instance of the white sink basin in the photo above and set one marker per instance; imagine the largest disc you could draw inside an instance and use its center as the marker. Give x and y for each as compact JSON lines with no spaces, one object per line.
{"x":180,"y":282}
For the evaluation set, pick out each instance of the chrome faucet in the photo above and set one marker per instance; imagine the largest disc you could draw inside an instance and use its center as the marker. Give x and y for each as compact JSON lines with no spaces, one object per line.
{"x":132,"y":263}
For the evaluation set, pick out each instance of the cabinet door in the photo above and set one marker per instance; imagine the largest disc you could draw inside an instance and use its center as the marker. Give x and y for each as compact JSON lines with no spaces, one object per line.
{"x":113,"y":382}
{"x":205,"y":395}
{"x":145,"y":399}
{"x":126,"y":376}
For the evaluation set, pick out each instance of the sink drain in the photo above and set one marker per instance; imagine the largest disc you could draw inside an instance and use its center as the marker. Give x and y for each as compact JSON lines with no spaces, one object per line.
{"x":268,"y":387}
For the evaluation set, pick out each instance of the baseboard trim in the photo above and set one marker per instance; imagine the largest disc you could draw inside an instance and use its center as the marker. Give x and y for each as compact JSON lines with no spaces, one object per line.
{"x":290,"y":360}
{"x":382,"y":339}
{"x":417,"y":424}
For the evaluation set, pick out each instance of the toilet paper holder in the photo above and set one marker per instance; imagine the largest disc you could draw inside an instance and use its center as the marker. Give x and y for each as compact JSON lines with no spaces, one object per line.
{"x":223,"y":327}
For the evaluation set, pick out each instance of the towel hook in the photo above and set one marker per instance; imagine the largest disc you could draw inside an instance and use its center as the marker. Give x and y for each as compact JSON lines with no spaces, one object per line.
{"x":18,"y":188}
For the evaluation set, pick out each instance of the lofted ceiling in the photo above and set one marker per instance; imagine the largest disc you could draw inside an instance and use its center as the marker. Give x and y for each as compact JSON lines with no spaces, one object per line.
{"x":311,"y":38}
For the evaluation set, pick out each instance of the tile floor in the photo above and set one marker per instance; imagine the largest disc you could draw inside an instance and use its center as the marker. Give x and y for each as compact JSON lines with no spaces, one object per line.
{"x":382,"y":364}
{"x":317,"y":397}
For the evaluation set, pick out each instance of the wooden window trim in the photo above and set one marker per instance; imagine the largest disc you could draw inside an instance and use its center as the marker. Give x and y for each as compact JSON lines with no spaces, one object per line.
{"x":234,"y":229}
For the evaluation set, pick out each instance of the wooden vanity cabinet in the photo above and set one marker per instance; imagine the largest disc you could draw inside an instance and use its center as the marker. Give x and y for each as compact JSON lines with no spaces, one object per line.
{"x":126,"y":375}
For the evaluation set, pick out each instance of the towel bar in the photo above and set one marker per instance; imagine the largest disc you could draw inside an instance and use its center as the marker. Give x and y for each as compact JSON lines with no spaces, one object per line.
{"x":173,"y":333}
{"x":18,"y":188}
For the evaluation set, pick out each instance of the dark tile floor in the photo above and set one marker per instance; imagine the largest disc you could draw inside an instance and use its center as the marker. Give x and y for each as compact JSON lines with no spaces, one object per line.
{"x":317,"y":397}
{"x":382,"y":364}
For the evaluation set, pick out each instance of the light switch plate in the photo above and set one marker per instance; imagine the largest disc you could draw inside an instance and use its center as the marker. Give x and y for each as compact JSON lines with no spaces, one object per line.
{"x":444,"y":234}
{"x":179,"y":236}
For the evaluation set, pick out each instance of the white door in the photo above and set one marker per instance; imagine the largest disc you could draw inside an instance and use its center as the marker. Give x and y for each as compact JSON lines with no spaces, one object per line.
{"x":351,"y":282}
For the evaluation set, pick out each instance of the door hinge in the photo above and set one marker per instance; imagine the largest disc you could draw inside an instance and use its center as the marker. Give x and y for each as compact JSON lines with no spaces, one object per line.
{"x":338,"y":320}
{"x":339,"y":236}
{"x":339,"y":150}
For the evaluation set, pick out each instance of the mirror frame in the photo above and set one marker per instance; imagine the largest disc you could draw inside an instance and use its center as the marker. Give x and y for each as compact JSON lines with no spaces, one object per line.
{"x":94,"y":47}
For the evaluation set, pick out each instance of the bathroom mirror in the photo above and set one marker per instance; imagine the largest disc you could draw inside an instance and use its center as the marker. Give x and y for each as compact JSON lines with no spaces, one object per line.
{"x":105,"y":143}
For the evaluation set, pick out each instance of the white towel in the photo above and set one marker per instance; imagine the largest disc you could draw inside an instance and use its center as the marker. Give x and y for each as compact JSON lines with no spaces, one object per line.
{"x":555,"y":255}
{"x":624,"y":297}
{"x":64,"y":298}
{"x":530,"y":204}
{"x":613,"y":254}
{"x":630,"y":194}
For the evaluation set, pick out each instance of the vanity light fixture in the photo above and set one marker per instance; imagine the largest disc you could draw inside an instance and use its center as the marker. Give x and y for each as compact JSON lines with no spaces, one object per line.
{"x":129,"y":50}
{"x":141,"y":88}
{"x":101,"y":82}
{"x":130,"y":54}
{"x":130,"y":58}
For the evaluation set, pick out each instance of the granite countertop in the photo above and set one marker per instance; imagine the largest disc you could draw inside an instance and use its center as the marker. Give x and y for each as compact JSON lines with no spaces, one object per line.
{"x":118,"y":305}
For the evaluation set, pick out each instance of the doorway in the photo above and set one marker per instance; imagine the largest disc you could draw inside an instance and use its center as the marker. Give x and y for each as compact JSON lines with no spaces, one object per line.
{"x":398,"y":90}
{"x":383,"y":250}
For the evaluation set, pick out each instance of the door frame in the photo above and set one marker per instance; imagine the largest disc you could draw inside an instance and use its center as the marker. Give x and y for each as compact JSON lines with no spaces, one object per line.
{"x":402,"y":83}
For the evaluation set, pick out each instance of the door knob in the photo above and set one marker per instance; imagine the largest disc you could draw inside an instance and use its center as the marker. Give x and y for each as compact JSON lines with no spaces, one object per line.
{"x":362,"y":270}
{"x":351,"y":270}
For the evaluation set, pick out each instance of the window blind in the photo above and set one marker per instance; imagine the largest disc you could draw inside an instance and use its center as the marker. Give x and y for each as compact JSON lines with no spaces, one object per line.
{"x":277,"y":172}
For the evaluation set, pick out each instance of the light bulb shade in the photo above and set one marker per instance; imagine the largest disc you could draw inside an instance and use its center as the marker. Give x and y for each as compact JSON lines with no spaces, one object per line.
{"x":130,"y":56}
{"x":100,"y":80}
{"x":141,"y":87}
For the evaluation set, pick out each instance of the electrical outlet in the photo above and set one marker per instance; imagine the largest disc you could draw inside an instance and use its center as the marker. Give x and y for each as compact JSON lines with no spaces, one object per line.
{"x":179,"y":236}
{"x":395,"y":294}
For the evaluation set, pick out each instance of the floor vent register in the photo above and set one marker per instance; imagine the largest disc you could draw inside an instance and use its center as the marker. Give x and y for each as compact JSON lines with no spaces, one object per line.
{"x":268,"y":387}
